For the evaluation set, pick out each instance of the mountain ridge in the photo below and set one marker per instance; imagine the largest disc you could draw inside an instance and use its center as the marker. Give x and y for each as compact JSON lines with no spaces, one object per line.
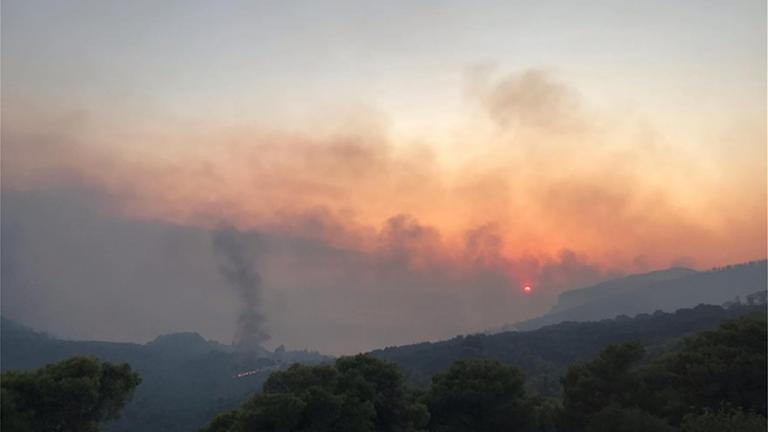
{"x":575,"y":297}
{"x":665,"y":290}
{"x":187,"y":379}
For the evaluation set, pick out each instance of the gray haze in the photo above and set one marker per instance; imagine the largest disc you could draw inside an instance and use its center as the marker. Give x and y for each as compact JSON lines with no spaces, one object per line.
{"x":72,"y":268}
{"x":117,"y":112}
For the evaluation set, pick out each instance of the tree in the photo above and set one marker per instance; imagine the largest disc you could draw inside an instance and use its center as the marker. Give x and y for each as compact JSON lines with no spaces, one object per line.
{"x":357,"y":394}
{"x":547,"y":413}
{"x":589,"y":388}
{"x":727,"y":365}
{"x":75,"y":395}
{"x":381,"y":382}
{"x":724,"y":420}
{"x":308,"y":398}
{"x":225,"y":422}
{"x":615,"y":418}
{"x":479,"y":395}
{"x":713,"y":369}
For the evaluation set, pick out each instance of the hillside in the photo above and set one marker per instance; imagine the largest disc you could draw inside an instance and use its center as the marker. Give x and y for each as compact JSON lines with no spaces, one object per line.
{"x":666,"y":290}
{"x":544,"y":353}
{"x":581,"y":296}
{"x":186,"y":380}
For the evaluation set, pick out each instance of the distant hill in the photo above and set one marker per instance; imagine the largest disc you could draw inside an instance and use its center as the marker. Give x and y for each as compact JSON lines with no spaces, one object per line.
{"x":186,"y":380}
{"x":544,"y":353}
{"x":665,"y":290}
{"x":186,"y":344}
{"x":581,"y":296}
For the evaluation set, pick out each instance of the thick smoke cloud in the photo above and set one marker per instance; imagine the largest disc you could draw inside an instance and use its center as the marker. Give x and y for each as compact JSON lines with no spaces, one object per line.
{"x":237,"y":267}
{"x":546,"y":171}
{"x":70,"y":264}
{"x":367,"y":240}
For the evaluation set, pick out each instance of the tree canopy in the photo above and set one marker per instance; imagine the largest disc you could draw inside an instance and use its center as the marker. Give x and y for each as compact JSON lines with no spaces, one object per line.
{"x":359,"y":393}
{"x":76,"y":395}
{"x":712,"y":381}
{"x":591,"y":387}
{"x":479,"y":395}
{"x":723,"y":369}
{"x":724,"y":366}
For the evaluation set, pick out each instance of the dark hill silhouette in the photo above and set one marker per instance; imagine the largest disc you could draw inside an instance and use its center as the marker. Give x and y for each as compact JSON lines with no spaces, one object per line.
{"x":187,"y":344}
{"x":581,"y":296}
{"x":184,"y":392}
{"x":665,"y":290}
{"x":186,"y":380}
{"x":544,"y":353}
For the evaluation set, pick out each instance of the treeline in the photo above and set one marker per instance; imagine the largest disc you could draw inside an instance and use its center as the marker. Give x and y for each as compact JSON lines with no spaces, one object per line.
{"x":714,"y":381}
{"x":545,"y":354}
{"x":186,"y":380}
{"x":79,"y":394}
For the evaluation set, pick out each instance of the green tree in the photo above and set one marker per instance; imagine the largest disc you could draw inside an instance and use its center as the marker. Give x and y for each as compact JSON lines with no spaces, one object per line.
{"x":309,"y":398}
{"x":359,"y":393}
{"x":381,"y":383}
{"x":615,"y":418}
{"x":589,"y":388}
{"x":724,"y":366}
{"x":226,"y":422}
{"x":75,"y":395}
{"x":724,"y":420}
{"x":479,"y":395}
{"x":548,"y":414}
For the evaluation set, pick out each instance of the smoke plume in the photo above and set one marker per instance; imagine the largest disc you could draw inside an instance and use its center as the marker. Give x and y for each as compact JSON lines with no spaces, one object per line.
{"x":237,"y":267}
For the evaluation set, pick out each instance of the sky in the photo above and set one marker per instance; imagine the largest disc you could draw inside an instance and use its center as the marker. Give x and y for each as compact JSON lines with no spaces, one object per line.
{"x":399,"y":170}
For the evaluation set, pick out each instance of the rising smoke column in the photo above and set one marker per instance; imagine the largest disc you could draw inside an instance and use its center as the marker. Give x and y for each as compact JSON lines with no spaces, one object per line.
{"x":237,"y":267}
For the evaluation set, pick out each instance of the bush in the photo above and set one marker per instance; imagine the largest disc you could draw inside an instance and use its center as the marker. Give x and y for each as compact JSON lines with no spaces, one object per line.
{"x":615,"y":418}
{"x":75,"y":395}
{"x":724,"y":420}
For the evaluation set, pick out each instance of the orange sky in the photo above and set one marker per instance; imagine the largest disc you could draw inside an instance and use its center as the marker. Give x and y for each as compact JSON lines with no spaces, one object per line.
{"x":408,"y":164}
{"x":537,"y":164}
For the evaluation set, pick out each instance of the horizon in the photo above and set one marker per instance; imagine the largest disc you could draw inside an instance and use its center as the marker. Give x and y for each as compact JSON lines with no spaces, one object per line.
{"x":504,"y":327}
{"x":349,"y":176}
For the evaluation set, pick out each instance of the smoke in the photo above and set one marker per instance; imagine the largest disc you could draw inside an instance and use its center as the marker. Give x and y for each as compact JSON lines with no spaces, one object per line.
{"x":544,"y":168}
{"x":531,"y":98}
{"x":237,"y":267}
{"x":373,"y":239}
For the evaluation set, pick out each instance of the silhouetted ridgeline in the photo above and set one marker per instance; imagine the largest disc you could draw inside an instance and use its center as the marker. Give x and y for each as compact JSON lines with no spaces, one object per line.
{"x":666,"y":290}
{"x":623,"y":285}
{"x":186,"y":380}
{"x":543,"y":354}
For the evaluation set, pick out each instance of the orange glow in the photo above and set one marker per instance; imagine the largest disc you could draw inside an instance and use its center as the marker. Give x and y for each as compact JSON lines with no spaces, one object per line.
{"x":527,"y":289}
{"x":556,"y":178}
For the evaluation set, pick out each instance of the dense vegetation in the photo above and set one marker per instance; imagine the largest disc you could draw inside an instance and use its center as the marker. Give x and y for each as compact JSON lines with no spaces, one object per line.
{"x":75,"y":395}
{"x":643,"y":379}
{"x":186,"y":380}
{"x":714,"y":381}
{"x":355,"y":394}
{"x":544,"y":354}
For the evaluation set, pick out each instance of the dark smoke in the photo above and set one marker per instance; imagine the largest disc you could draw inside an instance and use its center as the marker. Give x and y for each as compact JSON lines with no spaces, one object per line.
{"x":237,"y":268}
